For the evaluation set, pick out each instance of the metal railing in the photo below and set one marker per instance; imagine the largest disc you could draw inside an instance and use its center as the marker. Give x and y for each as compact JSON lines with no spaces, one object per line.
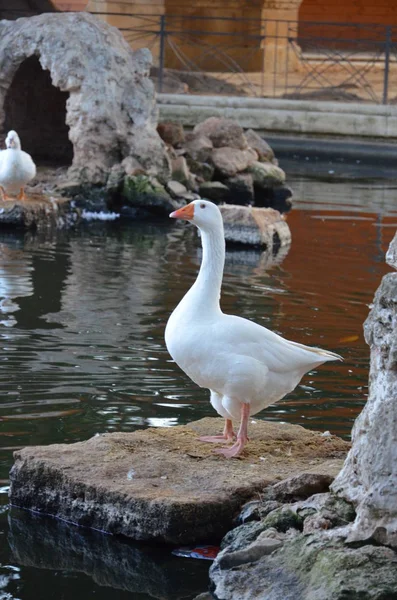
{"x":266,"y":58}
{"x":284,"y":59}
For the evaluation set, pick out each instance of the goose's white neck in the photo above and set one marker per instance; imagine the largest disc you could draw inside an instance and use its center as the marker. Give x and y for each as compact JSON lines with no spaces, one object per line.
{"x":207,"y":287}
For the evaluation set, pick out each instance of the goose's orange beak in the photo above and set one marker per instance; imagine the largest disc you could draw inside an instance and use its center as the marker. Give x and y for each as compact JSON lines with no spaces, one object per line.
{"x":186,"y":212}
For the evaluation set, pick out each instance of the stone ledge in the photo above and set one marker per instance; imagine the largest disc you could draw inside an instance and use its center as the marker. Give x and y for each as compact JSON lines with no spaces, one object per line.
{"x":37,"y":211}
{"x":161,"y":484}
{"x":284,"y":116}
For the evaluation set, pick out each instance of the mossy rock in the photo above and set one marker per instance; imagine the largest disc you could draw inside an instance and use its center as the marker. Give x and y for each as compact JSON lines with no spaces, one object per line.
{"x":145,"y":192}
{"x":311,"y":567}
{"x":266,"y":175}
{"x":282,"y":519}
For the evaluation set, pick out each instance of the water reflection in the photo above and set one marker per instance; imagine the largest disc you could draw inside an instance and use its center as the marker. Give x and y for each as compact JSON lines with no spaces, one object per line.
{"x":110,"y":562}
{"x":15,"y":279}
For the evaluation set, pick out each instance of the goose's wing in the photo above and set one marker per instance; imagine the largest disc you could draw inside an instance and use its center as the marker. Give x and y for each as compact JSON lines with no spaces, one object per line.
{"x":247,"y":338}
{"x":28,"y":163}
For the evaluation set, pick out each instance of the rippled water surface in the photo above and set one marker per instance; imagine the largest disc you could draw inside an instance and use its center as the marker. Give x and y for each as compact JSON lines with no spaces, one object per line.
{"x":82,"y":316}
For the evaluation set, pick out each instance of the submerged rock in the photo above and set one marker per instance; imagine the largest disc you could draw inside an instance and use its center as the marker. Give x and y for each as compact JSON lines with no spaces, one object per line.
{"x":263,"y":227}
{"x":214,"y":191}
{"x":241,"y":189}
{"x":161,"y":483}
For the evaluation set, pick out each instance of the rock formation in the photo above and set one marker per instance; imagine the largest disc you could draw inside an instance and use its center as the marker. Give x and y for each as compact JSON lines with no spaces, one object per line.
{"x":369,"y":477}
{"x":110,"y":100}
{"x":225,"y":164}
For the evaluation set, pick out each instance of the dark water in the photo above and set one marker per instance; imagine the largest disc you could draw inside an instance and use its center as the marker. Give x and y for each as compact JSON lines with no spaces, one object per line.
{"x":82,"y":316}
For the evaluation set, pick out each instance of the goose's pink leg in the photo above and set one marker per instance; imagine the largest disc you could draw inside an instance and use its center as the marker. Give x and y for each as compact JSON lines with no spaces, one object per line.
{"x":3,"y":194}
{"x":21,"y":195}
{"x":242,"y":436}
{"x":228,"y":435}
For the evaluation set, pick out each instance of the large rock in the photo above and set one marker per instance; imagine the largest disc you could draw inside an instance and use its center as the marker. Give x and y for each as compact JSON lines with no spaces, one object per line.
{"x":145,"y":196}
{"x":161,"y":483}
{"x":229,"y":161}
{"x":171,"y":133}
{"x":198,"y":147}
{"x":251,"y":226}
{"x":275,"y":565}
{"x":222,"y":132}
{"x":369,"y":476}
{"x":111,"y":110}
{"x":260,"y":145}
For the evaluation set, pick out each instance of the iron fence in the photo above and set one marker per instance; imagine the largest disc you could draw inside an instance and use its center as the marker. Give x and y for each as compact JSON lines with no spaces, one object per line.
{"x":255,"y":57}
{"x":266,"y":58}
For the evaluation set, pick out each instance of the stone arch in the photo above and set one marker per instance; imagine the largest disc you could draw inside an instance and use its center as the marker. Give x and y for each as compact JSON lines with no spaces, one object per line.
{"x":36,"y":109}
{"x":110,"y":112}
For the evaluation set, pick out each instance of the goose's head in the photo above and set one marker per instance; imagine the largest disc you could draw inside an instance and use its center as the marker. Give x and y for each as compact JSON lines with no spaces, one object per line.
{"x":202,"y":213}
{"x":13,"y":141}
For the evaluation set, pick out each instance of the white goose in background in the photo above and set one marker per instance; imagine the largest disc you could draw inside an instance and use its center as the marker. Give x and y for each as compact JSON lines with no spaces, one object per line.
{"x":16,"y":168}
{"x":245,"y":366}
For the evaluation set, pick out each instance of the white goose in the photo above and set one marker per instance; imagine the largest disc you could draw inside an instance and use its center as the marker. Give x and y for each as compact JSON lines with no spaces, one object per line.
{"x":245,"y":366}
{"x":16,"y":168}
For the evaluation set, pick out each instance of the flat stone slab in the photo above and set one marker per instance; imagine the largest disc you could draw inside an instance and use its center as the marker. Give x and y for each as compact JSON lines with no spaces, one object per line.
{"x":37,"y":211}
{"x":163,"y":484}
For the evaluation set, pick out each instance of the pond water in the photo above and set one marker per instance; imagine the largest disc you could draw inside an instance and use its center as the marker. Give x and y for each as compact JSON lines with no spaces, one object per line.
{"x":82,"y":317}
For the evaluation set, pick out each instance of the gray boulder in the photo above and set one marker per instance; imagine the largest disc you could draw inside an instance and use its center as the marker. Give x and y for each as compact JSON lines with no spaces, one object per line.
{"x":304,"y":567}
{"x":369,"y":476}
{"x":198,"y":147}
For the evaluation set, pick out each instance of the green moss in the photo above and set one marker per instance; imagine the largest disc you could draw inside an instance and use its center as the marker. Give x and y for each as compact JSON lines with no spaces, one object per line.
{"x":283,"y":519}
{"x":331,"y":570}
{"x":139,"y":190}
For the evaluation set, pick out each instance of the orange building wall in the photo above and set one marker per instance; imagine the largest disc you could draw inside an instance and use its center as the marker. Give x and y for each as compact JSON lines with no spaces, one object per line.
{"x":71,"y":5}
{"x":362,"y":12}
{"x":349,"y":11}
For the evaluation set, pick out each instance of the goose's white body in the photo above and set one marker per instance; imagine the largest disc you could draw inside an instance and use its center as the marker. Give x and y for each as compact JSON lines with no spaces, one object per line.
{"x":239,"y":361}
{"x":16,"y":166}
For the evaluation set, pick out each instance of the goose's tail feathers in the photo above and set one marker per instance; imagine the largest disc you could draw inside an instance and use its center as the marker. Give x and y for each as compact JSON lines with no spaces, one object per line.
{"x":325,"y":355}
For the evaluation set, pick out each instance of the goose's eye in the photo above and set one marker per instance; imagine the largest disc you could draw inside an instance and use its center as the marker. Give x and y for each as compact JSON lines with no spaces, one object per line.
{"x":202,"y":205}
